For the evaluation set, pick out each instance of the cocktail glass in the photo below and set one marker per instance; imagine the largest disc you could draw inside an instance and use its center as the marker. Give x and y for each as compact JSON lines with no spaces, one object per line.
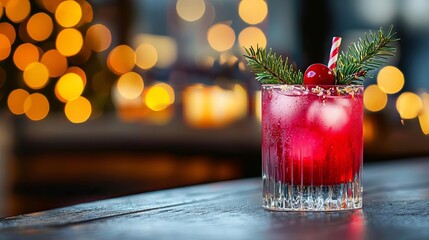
{"x":312,"y":147}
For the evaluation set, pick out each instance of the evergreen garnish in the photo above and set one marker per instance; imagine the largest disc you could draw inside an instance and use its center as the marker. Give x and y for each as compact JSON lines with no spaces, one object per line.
{"x":367,"y":54}
{"x":270,"y":68}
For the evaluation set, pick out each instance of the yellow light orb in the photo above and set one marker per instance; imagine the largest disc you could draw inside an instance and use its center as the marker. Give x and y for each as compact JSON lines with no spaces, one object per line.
{"x":159,"y":96}
{"x":16,"y":100}
{"x":1,"y":10}
{"x":25,"y":54}
{"x":252,"y":36}
{"x":98,"y":37}
{"x":36,"y":107}
{"x":70,"y":86}
{"x":146,"y":56}
{"x":221,"y":37}
{"x":68,"y":13}
{"x":253,"y":11}
{"x":121,"y":59}
{"x":79,"y":72}
{"x":55,"y":62}
{"x":8,"y":30}
{"x":69,"y":42}
{"x":374,"y":98}
{"x":18,"y":10}
{"x":130,"y":85}
{"x":390,"y":79}
{"x":190,"y":10}
{"x":51,"y":5}
{"x":5,"y":47}
{"x":40,"y":26}
{"x":36,"y":75}
{"x":78,"y":110}
{"x":409,"y":105}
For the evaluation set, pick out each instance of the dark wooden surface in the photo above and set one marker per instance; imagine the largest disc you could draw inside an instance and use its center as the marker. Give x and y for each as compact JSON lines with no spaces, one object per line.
{"x":396,"y":206}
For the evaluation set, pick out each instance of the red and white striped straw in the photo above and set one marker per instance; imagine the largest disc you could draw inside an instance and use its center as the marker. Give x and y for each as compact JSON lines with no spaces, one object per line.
{"x":333,"y":56}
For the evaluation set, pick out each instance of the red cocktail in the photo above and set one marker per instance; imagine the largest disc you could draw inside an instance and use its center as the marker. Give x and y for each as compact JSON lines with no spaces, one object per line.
{"x":312,"y":147}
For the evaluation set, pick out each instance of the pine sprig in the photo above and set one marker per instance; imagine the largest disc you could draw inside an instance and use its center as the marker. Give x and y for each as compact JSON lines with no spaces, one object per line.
{"x":270,"y":68}
{"x":367,"y":54}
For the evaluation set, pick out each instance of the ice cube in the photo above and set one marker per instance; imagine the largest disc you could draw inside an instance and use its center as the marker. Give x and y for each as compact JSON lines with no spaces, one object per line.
{"x":286,"y":107}
{"x":329,"y":115}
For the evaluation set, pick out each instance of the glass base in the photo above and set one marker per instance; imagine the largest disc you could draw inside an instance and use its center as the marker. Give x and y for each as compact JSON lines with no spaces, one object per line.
{"x":278,"y":196}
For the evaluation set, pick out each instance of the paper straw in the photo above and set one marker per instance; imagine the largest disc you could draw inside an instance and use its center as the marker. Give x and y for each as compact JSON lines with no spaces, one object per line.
{"x":333,"y":56}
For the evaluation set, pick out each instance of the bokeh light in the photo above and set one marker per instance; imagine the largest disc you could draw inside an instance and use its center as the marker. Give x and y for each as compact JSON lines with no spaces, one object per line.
{"x":40,"y":26}
{"x":130,"y":85}
{"x":253,"y":11}
{"x":221,"y":37}
{"x":374,"y":98}
{"x":409,"y":105}
{"x":78,"y":110}
{"x":121,"y":59}
{"x":166,"y":48}
{"x":146,"y":56}
{"x":25,"y":54}
{"x":98,"y":37}
{"x":390,"y":79}
{"x":190,"y":10}
{"x":5,"y":47}
{"x":18,"y":10}
{"x":70,"y":86}
{"x":55,"y":62}
{"x":16,"y":100}
{"x":79,"y":72}
{"x":36,"y":75}
{"x":1,"y":10}
{"x":159,"y":96}
{"x":252,"y":36}
{"x":36,"y":107}
{"x":9,"y":31}
{"x":68,"y":13}
{"x":69,"y":42}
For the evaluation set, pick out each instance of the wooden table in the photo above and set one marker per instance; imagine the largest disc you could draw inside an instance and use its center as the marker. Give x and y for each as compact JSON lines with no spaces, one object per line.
{"x":396,"y":206}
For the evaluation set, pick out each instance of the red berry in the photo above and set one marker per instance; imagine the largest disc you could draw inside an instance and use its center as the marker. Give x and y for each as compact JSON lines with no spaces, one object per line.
{"x":318,"y":74}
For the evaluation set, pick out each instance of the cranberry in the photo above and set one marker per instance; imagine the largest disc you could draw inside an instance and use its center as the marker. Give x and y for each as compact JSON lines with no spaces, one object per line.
{"x":318,"y":74}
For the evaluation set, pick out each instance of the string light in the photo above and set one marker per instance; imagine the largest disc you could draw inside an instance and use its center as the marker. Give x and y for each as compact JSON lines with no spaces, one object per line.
{"x":36,"y":106}
{"x":55,"y":62}
{"x":374,"y":98}
{"x":18,"y":10}
{"x":68,"y":14}
{"x":78,"y":110}
{"x":252,"y":36}
{"x":221,"y":37}
{"x":5,"y":47}
{"x":130,"y":85}
{"x":36,"y":75}
{"x":8,"y":30}
{"x":25,"y":54}
{"x":253,"y":11}
{"x":40,"y":26}
{"x":69,"y":42}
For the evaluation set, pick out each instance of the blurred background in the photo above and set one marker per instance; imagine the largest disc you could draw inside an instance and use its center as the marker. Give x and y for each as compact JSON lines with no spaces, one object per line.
{"x":103,"y":98}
